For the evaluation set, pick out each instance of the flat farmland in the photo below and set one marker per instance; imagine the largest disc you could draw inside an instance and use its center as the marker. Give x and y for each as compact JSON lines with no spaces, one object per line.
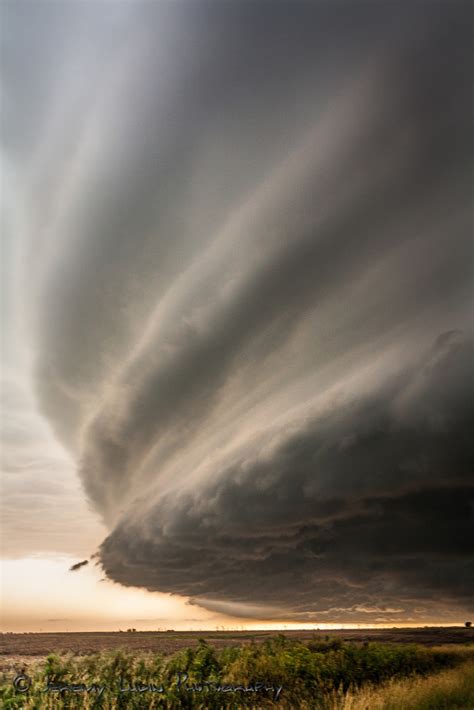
{"x":356,"y":669}
{"x":166,"y":642}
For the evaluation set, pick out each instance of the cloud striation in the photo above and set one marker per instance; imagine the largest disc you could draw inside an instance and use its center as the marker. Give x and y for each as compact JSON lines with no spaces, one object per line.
{"x":249,"y":265}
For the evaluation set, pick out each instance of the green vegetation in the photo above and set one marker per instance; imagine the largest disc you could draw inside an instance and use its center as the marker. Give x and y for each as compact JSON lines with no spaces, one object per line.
{"x":448,"y":690}
{"x":284,"y":673}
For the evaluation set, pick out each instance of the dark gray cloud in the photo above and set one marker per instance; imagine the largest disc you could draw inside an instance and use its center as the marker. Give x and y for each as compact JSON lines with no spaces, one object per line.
{"x":250,"y":311}
{"x":371,"y":504}
{"x":78,"y":565}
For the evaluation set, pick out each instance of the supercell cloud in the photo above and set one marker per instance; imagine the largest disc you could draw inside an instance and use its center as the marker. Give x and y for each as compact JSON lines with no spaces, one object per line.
{"x":245,"y":266}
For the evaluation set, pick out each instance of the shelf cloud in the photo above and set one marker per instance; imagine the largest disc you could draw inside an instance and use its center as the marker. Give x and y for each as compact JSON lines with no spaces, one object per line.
{"x":247,"y":273}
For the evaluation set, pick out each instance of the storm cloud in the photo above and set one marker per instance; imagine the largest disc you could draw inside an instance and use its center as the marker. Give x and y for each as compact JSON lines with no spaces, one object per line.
{"x":246,"y":267}
{"x":78,"y":565}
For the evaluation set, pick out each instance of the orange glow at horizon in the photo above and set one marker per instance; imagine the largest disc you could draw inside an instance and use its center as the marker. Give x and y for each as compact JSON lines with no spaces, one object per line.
{"x":40,"y":594}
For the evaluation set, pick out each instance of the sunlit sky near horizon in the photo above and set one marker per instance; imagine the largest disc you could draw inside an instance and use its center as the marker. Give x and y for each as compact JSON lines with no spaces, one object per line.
{"x":35,"y":588}
{"x":237,"y":334}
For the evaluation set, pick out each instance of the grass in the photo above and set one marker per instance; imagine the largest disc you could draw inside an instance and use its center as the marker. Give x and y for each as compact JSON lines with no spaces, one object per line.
{"x":41,"y":644}
{"x":448,"y":690}
{"x":314,"y":674}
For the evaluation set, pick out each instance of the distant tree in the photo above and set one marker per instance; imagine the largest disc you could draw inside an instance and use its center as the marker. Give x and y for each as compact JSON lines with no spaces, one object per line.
{"x":468,"y":624}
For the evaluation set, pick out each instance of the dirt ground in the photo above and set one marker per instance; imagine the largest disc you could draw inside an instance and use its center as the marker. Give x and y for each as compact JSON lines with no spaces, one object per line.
{"x":22,"y":649}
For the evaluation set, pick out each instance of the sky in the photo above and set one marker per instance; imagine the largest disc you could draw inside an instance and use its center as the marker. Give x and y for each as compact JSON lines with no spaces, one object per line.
{"x":237,"y":334}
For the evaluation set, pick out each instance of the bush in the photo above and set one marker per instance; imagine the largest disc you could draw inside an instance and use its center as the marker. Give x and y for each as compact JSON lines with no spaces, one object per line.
{"x":310,"y":673}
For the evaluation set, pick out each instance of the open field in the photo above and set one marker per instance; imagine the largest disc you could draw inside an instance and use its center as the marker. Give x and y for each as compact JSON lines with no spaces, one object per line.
{"x":41,"y":644}
{"x":395,"y":669}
